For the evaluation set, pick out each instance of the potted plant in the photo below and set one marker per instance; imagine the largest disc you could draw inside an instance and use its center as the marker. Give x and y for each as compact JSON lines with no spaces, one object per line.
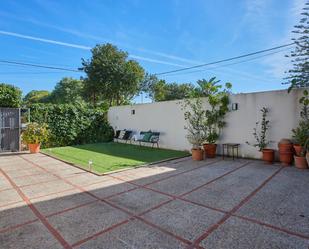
{"x":261,"y":137}
{"x":194,"y":118}
{"x":213,"y":123}
{"x":307,"y":150}
{"x":34,"y":135}
{"x":301,"y":134}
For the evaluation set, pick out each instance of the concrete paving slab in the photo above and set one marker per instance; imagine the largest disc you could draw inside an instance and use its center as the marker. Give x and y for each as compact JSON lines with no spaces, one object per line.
{"x":86,"y":179}
{"x":4,"y":184}
{"x":43,"y":189}
{"x":283,"y":202}
{"x":109,"y":187}
{"x":240,"y":234}
{"x":139,"y":200}
{"x":134,"y":234}
{"x":227,"y":192}
{"x":34,"y":179}
{"x":15,"y":214}
{"x":23,"y":172}
{"x":83,"y":222}
{"x":184,"y":219}
{"x":61,"y":201}
{"x":34,"y":236}
{"x":9,"y":196}
{"x":185,"y":182}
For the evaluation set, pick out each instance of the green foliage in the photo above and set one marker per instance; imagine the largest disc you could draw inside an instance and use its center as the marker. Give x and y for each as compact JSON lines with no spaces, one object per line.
{"x":298,"y":76}
{"x":159,"y":90}
{"x":111,"y":76}
{"x":206,"y":125}
{"x":10,"y":96}
{"x":72,"y":124}
{"x":218,"y":100}
{"x":67,"y":90}
{"x":261,"y":135}
{"x":301,"y":132}
{"x":36,"y":96}
{"x":35,"y":133}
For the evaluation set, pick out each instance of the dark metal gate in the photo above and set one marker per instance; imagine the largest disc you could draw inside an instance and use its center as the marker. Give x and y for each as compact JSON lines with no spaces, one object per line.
{"x":10,"y":128}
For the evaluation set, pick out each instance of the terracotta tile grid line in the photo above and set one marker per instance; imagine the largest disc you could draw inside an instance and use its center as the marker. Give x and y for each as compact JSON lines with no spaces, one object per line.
{"x":161,"y":204}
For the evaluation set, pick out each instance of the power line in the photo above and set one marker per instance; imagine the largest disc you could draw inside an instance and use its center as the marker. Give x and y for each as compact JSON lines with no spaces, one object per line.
{"x":229,"y":64}
{"x":225,"y":60}
{"x":40,"y":66}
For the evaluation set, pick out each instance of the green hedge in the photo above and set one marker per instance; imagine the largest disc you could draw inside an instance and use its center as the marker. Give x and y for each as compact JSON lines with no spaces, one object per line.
{"x":71,"y":124}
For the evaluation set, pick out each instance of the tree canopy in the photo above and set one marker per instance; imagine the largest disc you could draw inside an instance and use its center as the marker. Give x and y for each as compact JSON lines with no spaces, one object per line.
{"x":111,"y":76}
{"x":298,"y":76}
{"x":36,"y":96}
{"x":67,"y":90}
{"x":10,"y":96}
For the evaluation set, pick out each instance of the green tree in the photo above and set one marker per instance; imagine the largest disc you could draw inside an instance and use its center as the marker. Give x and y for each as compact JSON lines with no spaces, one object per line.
{"x":36,"y":96}
{"x":298,"y":76}
{"x":111,"y":76}
{"x":67,"y":90}
{"x":160,"y":90}
{"x":10,"y":96}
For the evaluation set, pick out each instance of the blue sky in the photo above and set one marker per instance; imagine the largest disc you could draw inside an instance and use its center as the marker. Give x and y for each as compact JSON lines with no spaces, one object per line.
{"x":161,"y":35}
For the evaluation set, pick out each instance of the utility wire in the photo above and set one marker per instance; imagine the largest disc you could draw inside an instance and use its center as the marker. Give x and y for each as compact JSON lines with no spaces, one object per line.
{"x":229,"y":64}
{"x":225,"y":60}
{"x":40,"y":66}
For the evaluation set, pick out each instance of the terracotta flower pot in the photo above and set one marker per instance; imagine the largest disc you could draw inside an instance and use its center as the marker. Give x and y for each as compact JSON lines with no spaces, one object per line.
{"x":300,"y":162}
{"x":298,"y":149}
{"x":286,"y":158}
{"x":197,"y":154}
{"x":34,"y":148}
{"x":210,"y":150}
{"x":285,"y":147}
{"x":307,"y":157}
{"x":268,"y":156}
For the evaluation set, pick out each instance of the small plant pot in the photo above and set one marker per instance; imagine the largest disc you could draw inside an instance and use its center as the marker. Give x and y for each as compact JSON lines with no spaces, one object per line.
{"x":307,"y":157}
{"x":286,"y":158}
{"x":210,"y":150}
{"x":298,"y":149}
{"x":34,"y":148}
{"x":268,"y":156}
{"x":285,"y":147}
{"x":300,"y":162}
{"x":197,"y":154}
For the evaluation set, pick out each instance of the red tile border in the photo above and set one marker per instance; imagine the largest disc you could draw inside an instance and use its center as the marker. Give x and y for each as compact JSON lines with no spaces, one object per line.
{"x":45,"y":222}
{"x":11,"y":228}
{"x":229,"y":214}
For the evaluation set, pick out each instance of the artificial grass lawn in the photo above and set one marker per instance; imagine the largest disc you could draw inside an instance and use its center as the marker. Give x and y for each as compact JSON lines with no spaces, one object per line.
{"x":111,"y":156}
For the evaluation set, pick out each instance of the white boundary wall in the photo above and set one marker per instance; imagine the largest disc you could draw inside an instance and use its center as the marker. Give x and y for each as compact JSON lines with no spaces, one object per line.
{"x":167,"y":117}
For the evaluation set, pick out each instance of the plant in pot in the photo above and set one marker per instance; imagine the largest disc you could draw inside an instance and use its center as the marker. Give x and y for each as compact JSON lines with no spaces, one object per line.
{"x":260,"y":135}
{"x":34,"y":135}
{"x":194,"y":117}
{"x":301,"y":134}
{"x":213,"y":123}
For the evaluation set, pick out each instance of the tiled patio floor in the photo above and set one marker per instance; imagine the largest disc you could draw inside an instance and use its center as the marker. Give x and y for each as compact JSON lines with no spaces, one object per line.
{"x":45,"y":203}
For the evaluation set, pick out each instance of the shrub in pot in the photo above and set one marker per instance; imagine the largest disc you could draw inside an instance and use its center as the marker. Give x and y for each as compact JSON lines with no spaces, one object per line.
{"x":260,"y":135}
{"x":213,"y":122}
{"x":34,"y":135}
{"x":301,"y":134}
{"x":194,"y":118}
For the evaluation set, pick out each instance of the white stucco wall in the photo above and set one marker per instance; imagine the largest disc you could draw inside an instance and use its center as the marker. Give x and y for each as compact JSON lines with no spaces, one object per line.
{"x":167,"y":118}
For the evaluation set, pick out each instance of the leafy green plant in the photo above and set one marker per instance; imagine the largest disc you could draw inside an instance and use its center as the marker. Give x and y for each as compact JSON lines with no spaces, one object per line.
{"x":301,"y":132}
{"x":10,"y":96}
{"x":72,"y":124}
{"x":218,"y":100}
{"x":260,"y":133}
{"x":35,"y":133}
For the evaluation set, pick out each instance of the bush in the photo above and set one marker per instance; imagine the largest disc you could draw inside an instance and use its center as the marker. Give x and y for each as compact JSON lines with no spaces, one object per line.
{"x":71,"y":124}
{"x":10,"y":96}
{"x":35,"y":133}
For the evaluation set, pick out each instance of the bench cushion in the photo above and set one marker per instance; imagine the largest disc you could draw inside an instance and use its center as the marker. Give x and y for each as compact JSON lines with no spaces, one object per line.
{"x":147,"y":137}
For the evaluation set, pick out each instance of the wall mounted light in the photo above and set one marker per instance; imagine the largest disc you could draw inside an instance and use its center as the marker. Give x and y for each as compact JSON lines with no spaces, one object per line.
{"x":234,"y":106}
{"x":133,"y":112}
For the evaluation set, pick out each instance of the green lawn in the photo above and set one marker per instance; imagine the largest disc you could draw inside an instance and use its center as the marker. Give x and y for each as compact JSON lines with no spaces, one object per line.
{"x":111,"y":156}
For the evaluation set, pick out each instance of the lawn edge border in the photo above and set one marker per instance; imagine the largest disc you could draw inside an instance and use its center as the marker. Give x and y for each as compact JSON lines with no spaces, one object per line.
{"x":114,"y":171}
